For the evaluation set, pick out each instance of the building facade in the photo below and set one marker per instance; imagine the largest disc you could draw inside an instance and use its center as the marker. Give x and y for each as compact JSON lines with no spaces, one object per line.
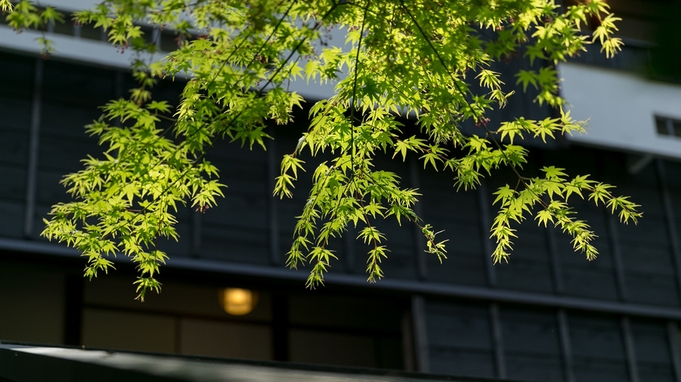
{"x":547,"y":315}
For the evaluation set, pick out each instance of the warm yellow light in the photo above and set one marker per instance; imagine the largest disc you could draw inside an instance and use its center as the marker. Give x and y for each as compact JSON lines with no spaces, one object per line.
{"x":238,"y":302}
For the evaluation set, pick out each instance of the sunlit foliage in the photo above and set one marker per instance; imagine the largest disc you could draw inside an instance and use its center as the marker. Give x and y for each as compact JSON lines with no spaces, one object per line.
{"x":424,"y":61}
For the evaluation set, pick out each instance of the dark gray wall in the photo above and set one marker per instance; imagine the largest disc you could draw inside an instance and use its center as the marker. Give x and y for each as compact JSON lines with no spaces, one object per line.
{"x":481,"y":337}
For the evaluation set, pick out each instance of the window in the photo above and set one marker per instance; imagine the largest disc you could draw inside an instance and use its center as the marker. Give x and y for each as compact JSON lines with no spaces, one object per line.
{"x":668,"y":126}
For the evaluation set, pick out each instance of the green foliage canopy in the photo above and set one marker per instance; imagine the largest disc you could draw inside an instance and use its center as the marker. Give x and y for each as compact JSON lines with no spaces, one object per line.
{"x":409,"y":59}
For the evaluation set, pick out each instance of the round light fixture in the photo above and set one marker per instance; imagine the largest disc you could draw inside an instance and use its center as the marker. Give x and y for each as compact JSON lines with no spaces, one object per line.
{"x":237,"y":301}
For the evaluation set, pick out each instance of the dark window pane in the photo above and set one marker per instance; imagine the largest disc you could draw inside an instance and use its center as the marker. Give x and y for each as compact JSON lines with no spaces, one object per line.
{"x":89,"y":32}
{"x":661,"y":124}
{"x":169,"y":41}
{"x":148,"y":34}
{"x":66,"y":27}
{"x":676,"y":128}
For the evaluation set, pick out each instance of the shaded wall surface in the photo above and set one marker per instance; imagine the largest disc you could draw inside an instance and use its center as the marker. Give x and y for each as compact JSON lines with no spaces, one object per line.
{"x":547,"y":315}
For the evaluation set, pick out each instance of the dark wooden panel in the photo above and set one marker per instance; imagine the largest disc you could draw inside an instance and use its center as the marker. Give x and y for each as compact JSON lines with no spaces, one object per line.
{"x":242,"y":175}
{"x":64,"y":155}
{"x":401,"y":261}
{"x":66,"y":82}
{"x":41,"y":211}
{"x":651,"y":342}
{"x":596,"y":337}
{"x":460,"y":267}
{"x":525,"y":275}
{"x":673,"y":175}
{"x":12,"y":183}
{"x":321,"y":309}
{"x":234,"y":244}
{"x":49,"y":191}
{"x":568,"y":257}
{"x":589,"y":281}
{"x":534,"y":367}
{"x":458,"y":324}
{"x":441,"y":200}
{"x":528,"y":267}
{"x":240,"y":210}
{"x":652,"y":289}
{"x":224,"y":150}
{"x":68,"y":121}
{"x":182,"y":247}
{"x":463,"y":235}
{"x":14,"y":146}
{"x":651,"y":229}
{"x":655,"y":372}
{"x":528,"y":331}
{"x":287,"y":210}
{"x":12,"y":221}
{"x":531,"y":344}
{"x":647,"y":258}
{"x":15,"y":111}
{"x":642,"y":187}
{"x":16,"y":74}
{"x":587,"y":370}
{"x":463,"y":363}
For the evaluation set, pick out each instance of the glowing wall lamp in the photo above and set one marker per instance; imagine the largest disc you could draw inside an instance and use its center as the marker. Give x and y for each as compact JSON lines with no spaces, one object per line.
{"x":237,"y":301}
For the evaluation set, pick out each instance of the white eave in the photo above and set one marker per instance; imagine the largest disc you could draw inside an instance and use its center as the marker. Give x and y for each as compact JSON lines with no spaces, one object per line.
{"x":620,"y":108}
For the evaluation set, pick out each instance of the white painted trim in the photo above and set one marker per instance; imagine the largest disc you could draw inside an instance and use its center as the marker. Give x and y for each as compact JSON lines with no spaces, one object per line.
{"x":621,"y":109}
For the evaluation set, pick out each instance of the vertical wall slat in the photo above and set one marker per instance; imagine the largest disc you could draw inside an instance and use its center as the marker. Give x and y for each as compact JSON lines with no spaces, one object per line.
{"x":566,"y":346}
{"x":349,"y":243}
{"x":674,"y":348}
{"x":421,"y":266}
{"x":33,"y":148}
{"x":671,"y":223}
{"x":273,"y":216}
{"x":498,"y":339}
{"x":630,"y":350}
{"x":418,"y":317}
{"x":617,"y":257}
{"x":557,"y":277}
{"x":485,"y":224}
{"x":196,"y":234}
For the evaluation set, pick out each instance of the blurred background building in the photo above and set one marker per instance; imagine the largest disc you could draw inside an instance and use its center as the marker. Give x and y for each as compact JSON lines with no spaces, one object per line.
{"x":548,"y":315}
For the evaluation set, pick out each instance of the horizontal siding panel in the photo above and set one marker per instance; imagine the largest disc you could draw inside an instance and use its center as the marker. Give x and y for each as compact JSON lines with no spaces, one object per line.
{"x":68,"y":83}
{"x":238,"y":210}
{"x":647,"y":258}
{"x":16,"y":74}
{"x":528,"y":267}
{"x":462,"y":363}
{"x":48,"y":190}
{"x":234,"y":244}
{"x":651,"y":229}
{"x":14,"y":146}
{"x":41,"y":212}
{"x":589,"y":282}
{"x":529,"y":331}
{"x":15,"y":111}
{"x":64,"y":155}
{"x":651,"y":289}
{"x":460,"y":267}
{"x":588,"y":370}
{"x":463,"y":236}
{"x":596,"y":339}
{"x":655,"y":372}
{"x":12,"y":183}
{"x":67,"y":120}
{"x":458,"y":325}
{"x":651,"y":342}
{"x":534,"y":368}
{"x":12,"y":222}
